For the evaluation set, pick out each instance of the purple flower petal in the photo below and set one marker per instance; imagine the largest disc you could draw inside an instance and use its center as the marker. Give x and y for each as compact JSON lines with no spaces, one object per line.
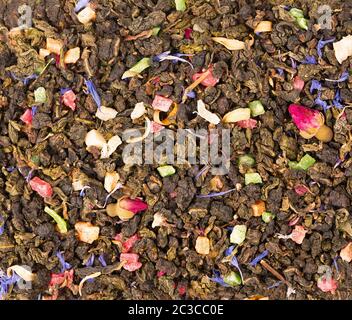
{"x":201,"y":172}
{"x":235,"y":263}
{"x":93,"y":92}
{"x":64,"y":265}
{"x":2,"y":225}
{"x":309,"y":60}
{"x":102,"y":260}
{"x":258,"y":258}
{"x":174,"y":58}
{"x":321,"y":44}
{"x":293,"y":63}
{"x":315,"y":85}
{"x":280,"y":71}
{"x":10,"y":169}
{"x":318,"y":101}
{"x":344,"y":76}
{"x":335,"y":264}
{"x":229,"y":250}
{"x":90,"y":261}
{"x":215,"y":194}
{"x":64,"y":90}
{"x":337,"y":100}
{"x":82,"y":192}
{"x":218,"y":279}
{"x":191,"y":94}
{"x":34,"y":110}
{"x":81,"y":4}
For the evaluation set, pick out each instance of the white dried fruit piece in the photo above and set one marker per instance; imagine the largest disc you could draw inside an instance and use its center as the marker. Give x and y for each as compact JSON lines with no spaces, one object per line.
{"x":110,"y":181}
{"x":138,"y":111}
{"x":159,"y":220}
{"x":343,"y":48}
{"x":105,"y":113}
{"x":238,"y":234}
{"x":231,"y":44}
{"x":72,"y":55}
{"x":237,"y":115}
{"x":54,"y":45}
{"x":86,"y":232}
{"x":346,"y":253}
{"x":95,"y":139}
{"x":21,"y":271}
{"x":43,"y":52}
{"x":86,"y":15}
{"x":206,"y":114}
{"x":202,"y":245}
{"x":110,"y":147}
{"x":264,"y":26}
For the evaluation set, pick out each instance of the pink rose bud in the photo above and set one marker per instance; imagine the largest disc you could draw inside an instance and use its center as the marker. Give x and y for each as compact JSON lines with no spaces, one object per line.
{"x":69,"y":99}
{"x":209,"y":81}
{"x":27,"y":117}
{"x":298,"y":234}
{"x":250,"y":123}
{"x":307,"y":120}
{"x":133,"y":205}
{"x":132,"y":263}
{"x":161,"y":103}
{"x":327,"y":284}
{"x":43,"y":188}
{"x":301,"y":189}
{"x":298,"y":83}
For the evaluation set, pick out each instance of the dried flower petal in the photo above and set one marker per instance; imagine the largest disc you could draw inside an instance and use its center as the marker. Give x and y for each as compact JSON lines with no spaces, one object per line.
{"x":43,"y":188}
{"x":327,"y":284}
{"x":93,"y":92}
{"x":263,"y":26}
{"x":69,"y":98}
{"x":91,"y":276}
{"x":86,"y":232}
{"x":81,"y":4}
{"x":237,"y":115}
{"x":22,"y":272}
{"x":298,"y":83}
{"x":110,"y":147}
{"x":133,"y":205}
{"x":208,"y":81}
{"x":258,"y":258}
{"x":321,"y":44}
{"x":132,"y":263}
{"x":247,"y":124}
{"x":95,"y":139}
{"x":27,"y":117}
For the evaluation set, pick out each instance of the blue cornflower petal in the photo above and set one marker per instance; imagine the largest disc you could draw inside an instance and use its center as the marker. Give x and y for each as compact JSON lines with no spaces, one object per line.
{"x":344,"y":76}
{"x":81,"y":4}
{"x":90,"y":261}
{"x":229,"y":250}
{"x":93,"y":92}
{"x":218,"y":279}
{"x":318,"y":101}
{"x":64,"y":265}
{"x":280,"y":71}
{"x":34,"y":110}
{"x":309,"y":60}
{"x":337,"y":100}
{"x":258,"y":258}
{"x":315,"y":85}
{"x":102,"y":260}
{"x":235,"y":263}
{"x":321,"y":44}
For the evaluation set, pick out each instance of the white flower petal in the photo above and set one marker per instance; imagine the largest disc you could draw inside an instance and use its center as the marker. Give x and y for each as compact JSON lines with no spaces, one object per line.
{"x":343,"y":48}
{"x":110,"y":147}
{"x":95,"y":139}
{"x":110,"y":181}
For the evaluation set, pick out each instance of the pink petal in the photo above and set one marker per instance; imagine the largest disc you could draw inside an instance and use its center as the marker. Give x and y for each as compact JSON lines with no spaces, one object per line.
{"x":43,"y":188}
{"x":346,"y":253}
{"x":327,"y":284}
{"x":133,"y":205}
{"x":69,"y":99}
{"x":132,"y":261}
{"x":304,"y":118}
{"x":301,"y":189}
{"x":188,"y":33}
{"x":160,"y":273}
{"x":129,"y":243}
{"x":161,"y":103}
{"x":27,"y":117}
{"x":298,"y":234}
{"x":294,"y":221}
{"x":298,"y":83}
{"x":250,"y":123}
{"x":209,"y":81}
{"x":181,"y":290}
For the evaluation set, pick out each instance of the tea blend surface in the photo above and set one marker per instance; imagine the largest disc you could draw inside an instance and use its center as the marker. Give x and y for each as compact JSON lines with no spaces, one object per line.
{"x":81,"y":220}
